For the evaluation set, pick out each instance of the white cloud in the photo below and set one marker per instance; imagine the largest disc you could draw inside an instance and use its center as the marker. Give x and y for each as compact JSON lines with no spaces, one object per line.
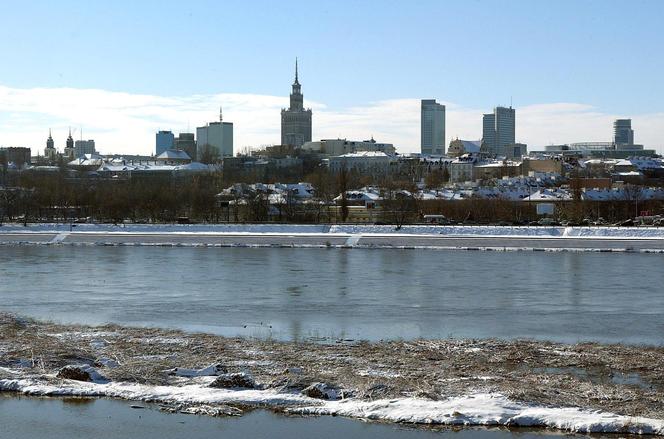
{"x":126,"y":123}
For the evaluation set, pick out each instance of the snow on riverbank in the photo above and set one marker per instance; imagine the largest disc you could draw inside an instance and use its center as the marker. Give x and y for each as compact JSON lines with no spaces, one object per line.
{"x":344,"y":229}
{"x":477,"y":409}
{"x":486,"y":410}
{"x":186,"y":394}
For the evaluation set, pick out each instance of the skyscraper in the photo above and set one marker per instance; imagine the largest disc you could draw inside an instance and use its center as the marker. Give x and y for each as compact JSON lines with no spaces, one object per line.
{"x":83,"y":147}
{"x":432,"y":127}
{"x":622,"y":132}
{"x":164,"y":140}
{"x":498,"y":131}
{"x":215,"y":139}
{"x":296,"y":121}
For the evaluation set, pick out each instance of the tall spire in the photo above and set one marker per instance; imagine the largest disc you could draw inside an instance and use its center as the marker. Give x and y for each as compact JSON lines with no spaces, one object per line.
{"x":221,"y":115}
{"x":296,"y":80}
{"x":49,"y":142}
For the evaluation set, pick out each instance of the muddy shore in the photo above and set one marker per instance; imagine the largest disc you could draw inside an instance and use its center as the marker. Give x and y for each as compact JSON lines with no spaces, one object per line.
{"x":627,"y":380}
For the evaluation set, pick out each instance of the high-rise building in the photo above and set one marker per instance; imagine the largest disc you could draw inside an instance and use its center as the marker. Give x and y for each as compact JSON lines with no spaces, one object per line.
{"x":498,"y":131}
{"x":164,"y":140}
{"x":622,"y":132}
{"x":296,"y":121}
{"x":82,"y":147}
{"x":215,"y":139}
{"x":432,"y":127}
{"x":187,"y":143}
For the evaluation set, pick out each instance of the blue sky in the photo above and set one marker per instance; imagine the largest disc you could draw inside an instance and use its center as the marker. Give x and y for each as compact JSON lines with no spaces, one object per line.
{"x":473,"y":55}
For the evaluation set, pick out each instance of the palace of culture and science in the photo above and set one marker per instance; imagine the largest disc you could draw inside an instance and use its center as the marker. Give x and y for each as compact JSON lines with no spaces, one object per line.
{"x":296,"y":121}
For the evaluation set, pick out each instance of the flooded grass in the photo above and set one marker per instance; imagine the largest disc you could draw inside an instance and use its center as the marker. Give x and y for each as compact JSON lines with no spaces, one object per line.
{"x":621,"y":379}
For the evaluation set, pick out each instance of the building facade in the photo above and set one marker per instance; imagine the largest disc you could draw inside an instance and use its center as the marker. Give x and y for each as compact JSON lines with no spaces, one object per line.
{"x":516,"y":150}
{"x":16,"y":155}
{"x":622,"y":132}
{"x":296,"y":121}
{"x":82,"y":147}
{"x":498,"y":131}
{"x":164,"y":140}
{"x":461,"y":169}
{"x":186,"y":142}
{"x":334,"y":147}
{"x":432,"y":127}
{"x":365,"y":162}
{"x":215,"y":139}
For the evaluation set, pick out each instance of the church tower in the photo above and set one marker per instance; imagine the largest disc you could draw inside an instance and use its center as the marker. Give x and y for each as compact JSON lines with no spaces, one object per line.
{"x":50,"y":153}
{"x":69,"y":146}
{"x":296,"y":121}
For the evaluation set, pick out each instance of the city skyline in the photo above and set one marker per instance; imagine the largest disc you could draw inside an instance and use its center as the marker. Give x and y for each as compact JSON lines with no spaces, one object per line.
{"x":257,"y":121}
{"x":122,"y":93}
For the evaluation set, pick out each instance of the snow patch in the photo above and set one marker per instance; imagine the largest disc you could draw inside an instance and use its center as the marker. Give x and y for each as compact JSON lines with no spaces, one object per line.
{"x":478,"y":409}
{"x":485,"y":410}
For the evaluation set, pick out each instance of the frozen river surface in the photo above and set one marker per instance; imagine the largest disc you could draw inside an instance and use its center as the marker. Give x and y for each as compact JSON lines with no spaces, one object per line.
{"x":329,"y":294}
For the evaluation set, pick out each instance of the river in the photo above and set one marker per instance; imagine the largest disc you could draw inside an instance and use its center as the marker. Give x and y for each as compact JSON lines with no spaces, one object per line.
{"x":331,"y":294}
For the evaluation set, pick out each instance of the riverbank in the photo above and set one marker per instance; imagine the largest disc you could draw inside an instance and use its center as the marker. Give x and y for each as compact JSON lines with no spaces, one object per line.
{"x":84,"y":418}
{"x":610,"y":239}
{"x":580,"y":388}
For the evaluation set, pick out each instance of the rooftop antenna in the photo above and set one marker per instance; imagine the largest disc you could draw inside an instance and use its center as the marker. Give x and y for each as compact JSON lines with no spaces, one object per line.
{"x":221,"y":115}
{"x":510,"y":101}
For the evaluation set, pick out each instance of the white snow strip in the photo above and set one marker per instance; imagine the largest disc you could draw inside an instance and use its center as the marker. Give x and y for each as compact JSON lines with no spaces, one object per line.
{"x":477,"y":409}
{"x":301,"y":229}
{"x":192,"y":393}
{"x":486,"y":410}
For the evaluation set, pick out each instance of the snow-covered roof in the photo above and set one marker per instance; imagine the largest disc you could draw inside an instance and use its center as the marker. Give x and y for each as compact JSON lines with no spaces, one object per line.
{"x":549,"y":195}
{"x":496,"y":164}
{"x":360,"y":196}
{"x":87,"y":160}
{"x":302,"y":190}
{"x":647,"y":163}
{"x":119,"y":166}
{"x":644,"y":193}
{"x":365,"y":154}
{"x":173,"y":154}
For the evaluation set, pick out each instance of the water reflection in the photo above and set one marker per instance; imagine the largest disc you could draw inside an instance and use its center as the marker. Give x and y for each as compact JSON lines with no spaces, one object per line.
{"x":332,"y":293}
